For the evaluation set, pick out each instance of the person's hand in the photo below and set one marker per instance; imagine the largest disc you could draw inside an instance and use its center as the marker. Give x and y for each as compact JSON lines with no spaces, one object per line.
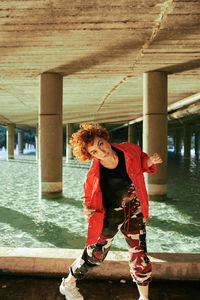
{"x":154,"y":159}
{"x":87,"y":213}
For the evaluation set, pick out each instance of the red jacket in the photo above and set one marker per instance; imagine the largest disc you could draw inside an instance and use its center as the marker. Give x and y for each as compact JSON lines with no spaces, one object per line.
{"x":136,"y":164}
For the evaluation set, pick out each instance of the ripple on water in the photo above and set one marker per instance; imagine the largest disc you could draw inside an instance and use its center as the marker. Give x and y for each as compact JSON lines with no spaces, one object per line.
{"x":28,"y":221}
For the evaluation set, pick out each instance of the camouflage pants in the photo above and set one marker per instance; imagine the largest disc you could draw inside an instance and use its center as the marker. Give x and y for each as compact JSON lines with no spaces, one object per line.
{"x":129,"y":220}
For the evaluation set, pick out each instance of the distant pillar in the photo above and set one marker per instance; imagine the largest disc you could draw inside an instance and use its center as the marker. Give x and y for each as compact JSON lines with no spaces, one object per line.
{"x":132,"y":138}
{"x":36,"y":143}
{"x":20,"y":141}
{"x":10,"y":141}
{"x":155,"y":127}
{"x":197,"y":143}
{"x":140,"y":139}
{"x":50,"y":135}
{"x":69,"y":132}
{"x":187,"y":140}
{"x":178,"y":137}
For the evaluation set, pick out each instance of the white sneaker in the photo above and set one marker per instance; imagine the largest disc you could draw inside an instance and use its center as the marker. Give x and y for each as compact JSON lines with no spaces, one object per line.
{"x":143,"y":298}
{"x":70,"y":291}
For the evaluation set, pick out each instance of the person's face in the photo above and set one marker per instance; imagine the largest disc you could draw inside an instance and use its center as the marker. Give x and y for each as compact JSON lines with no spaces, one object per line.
{"x":100,"y":149}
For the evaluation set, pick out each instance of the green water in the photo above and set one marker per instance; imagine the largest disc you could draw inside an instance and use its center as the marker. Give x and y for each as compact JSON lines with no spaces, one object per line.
{"x":28,"y":221}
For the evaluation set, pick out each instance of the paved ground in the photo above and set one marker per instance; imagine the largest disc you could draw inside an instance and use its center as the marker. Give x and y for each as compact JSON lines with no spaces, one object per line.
{"x":41,"y":288}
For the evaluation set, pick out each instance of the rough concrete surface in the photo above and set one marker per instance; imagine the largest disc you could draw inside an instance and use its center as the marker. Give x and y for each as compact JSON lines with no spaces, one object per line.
{"x":46,"y":261}
{"x":102,"y":48}
{"x":44,"y":288}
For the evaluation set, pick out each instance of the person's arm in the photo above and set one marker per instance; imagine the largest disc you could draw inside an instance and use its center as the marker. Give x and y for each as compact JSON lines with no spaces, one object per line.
{"x":86,"y":197}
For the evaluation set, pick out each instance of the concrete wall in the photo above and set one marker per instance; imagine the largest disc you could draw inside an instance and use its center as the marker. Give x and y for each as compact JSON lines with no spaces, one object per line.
{"x":56,"y":262}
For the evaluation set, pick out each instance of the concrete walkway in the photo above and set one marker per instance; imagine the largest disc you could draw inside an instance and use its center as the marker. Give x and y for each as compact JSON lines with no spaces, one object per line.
{"x":56,"y":262}
{"x":41,"y":288}
{"x":35,"y":274}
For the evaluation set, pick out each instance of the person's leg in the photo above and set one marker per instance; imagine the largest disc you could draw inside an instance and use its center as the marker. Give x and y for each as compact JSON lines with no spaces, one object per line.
{"x":93,"y":255}
{"x":140,"y":265}
{"x":144,"y":291}
{"x":70,"y":278}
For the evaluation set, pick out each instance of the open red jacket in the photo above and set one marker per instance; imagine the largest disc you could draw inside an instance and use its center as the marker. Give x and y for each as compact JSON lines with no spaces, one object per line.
{"x":136,"y":164}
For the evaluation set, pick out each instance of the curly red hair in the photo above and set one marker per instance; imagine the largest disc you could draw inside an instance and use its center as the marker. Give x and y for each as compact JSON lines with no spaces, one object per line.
{"x":85,"y":136}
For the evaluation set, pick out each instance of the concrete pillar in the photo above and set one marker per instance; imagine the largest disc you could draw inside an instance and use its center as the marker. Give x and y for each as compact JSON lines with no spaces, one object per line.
{"x":10,"y":138}
{"x":36,"y":143}
{"x":50,"y":135}
{"x":155,"y":127}
{"x":197,"y":143}
{"x":20,"y":141}
{"x":178,"y":138}
{"x":187,"y":140}
{"x":140,"y":134}
{"x":69,"y":132}
{"x":132,"y":137}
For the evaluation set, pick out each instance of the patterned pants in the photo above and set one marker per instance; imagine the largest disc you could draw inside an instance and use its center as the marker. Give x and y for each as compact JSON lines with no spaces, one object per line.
{"x":130,"y":221}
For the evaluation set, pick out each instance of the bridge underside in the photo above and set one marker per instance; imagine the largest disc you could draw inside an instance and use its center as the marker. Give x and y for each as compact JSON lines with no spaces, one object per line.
{"x":102,"y":49}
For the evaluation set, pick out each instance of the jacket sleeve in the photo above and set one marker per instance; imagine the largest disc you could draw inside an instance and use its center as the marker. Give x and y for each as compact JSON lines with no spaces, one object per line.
{"x":86,"y":197}
{"x":144,"y":162}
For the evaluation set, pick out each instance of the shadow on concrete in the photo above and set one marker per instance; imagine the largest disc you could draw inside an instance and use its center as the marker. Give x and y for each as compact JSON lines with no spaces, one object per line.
{"x":41,"y":288}
{"x":98,"y":57}
{"x":181,"y":67}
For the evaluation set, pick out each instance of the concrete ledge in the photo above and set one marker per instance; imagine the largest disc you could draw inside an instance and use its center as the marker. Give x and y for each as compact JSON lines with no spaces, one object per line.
{"x":56,"y":262}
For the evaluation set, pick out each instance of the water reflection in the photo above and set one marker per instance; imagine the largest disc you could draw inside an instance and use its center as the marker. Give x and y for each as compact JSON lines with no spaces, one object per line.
{"x":28,"y":221}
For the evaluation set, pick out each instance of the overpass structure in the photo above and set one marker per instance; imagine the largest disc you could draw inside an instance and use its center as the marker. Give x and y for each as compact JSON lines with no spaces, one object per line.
{"x":122,"y":61}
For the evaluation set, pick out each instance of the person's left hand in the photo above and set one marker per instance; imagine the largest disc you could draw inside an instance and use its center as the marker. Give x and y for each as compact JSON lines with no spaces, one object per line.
{"x":154,"y":159}
{"x":87,"y":213}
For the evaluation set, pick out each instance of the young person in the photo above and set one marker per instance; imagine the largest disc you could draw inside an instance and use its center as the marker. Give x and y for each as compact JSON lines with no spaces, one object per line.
{"x":114,"y":199}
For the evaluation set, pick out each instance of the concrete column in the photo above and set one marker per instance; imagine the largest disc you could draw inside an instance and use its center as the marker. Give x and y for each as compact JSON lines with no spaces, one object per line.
{"x":69,"y":132}
{"x":197,"y":143}
{"x":178,"y":138}
{"x":20,"y":141}
{"x":187,"y":140}
{"x":132,"y":137}
{"x":140,"y":139}
{"x":50,"y":135}
{"x":36,"y":143}
{"x":155,"y":127}
{"x":10,"y":141}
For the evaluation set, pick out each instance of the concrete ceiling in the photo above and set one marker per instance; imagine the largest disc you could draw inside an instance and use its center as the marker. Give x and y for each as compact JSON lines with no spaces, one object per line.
{"x":102,"y":49}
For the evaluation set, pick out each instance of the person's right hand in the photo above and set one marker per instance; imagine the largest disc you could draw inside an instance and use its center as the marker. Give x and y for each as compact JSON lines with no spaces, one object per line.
{"x":87,"y":213}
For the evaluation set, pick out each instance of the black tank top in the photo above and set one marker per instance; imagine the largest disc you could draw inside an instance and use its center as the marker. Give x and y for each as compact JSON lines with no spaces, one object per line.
{"x":114,"y":182}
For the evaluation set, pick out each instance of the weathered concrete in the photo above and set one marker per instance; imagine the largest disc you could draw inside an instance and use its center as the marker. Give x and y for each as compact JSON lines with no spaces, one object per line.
{"x":47,"y":288}
{"x":50,"y":135}
{"x":132,"y":138}
{"x":187,"y":140}
{"x":20,"y":141}
{"x":169,"y":266}
{"x":69,"y":131}
{"x":10,"y":141}
{"x":178,"y":137}
{"x":36,"y":143}
{"x":102,"y":48}
{"x":155,"y":127}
